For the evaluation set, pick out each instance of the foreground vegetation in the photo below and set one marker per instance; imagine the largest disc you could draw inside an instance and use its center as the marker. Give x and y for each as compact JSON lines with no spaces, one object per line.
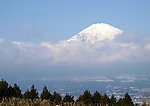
{"x":12,"y":96}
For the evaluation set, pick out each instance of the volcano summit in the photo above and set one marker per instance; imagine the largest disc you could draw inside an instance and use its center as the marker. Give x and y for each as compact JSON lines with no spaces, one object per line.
{"x":96,"y":32}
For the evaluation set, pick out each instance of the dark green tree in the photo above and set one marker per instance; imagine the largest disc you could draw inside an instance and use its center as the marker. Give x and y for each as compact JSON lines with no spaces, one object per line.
{"x":127,"y":101}
{"x":17,"y":91}
{"x":85,"y":98}
{"x":32,"y":94}
{"x":96,"y":98}
{"x":10,"y":91}
{"x":120,"y":102}
{"x":113,"y":101}
{"x":46,"y":94}
{"x":26,"y":95}
{"x":68,"y":98}
{"x":3,"y":89}
{"x":105,"y":99}
{"x":57,"y":98}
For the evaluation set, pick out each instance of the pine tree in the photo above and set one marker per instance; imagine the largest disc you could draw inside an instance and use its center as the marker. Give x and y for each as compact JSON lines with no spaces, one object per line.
{"x":120,"y":102}
{"x":57,"y":98}
{"x":105,"y":99}
{"x":86,"y":97}
{"x":68,"y":98}
{"x":127,"y":101}
{"x":32,"y":94}
{"x":113,"y":101}
{"x":10,"y":91}
{"x":96,"y":97}
{"x":3,"y":89}
{"x":26,"y":95}
{"x":17,"y":91}
{"x":46,"y":94}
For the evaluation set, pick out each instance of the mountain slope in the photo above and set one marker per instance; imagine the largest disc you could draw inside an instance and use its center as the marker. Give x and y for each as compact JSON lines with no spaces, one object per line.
{"x":96,"y":32}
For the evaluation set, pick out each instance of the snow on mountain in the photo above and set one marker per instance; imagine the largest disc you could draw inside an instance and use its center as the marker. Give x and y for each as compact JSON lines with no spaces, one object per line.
{"x":96,"y":32}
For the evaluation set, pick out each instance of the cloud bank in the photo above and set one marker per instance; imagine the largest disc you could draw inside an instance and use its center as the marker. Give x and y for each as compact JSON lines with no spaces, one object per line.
{"x":97,"y":44}
{"x":73,"y":52}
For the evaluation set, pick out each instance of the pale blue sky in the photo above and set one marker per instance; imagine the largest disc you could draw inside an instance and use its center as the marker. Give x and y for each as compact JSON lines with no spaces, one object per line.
{"x":43,"y":20}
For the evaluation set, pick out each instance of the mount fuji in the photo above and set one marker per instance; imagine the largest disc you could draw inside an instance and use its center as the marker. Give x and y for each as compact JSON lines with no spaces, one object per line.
{"x":96,"y":32}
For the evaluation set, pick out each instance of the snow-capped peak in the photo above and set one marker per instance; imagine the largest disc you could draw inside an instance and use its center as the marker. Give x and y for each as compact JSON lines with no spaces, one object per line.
{"x":96,"y":32}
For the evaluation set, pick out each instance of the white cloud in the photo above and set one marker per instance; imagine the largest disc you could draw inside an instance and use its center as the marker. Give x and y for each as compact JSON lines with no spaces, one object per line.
{"x":72,"y":53}
{"x":147,"y":46}
{"x":129,"y":77}
{"x":18,"y":43}
{"x":85,"y":47}
{"x":2,"y":40}
{"x":95,"y":53}
{"x":91,"y":78}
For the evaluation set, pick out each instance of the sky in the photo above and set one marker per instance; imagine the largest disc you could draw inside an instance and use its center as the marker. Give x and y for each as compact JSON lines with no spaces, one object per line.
{"x":36,"y":20}
{"x":33,"y":34}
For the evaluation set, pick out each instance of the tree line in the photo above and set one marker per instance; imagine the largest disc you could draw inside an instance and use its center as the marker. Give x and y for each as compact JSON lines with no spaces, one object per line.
{"x":7,"y":91}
